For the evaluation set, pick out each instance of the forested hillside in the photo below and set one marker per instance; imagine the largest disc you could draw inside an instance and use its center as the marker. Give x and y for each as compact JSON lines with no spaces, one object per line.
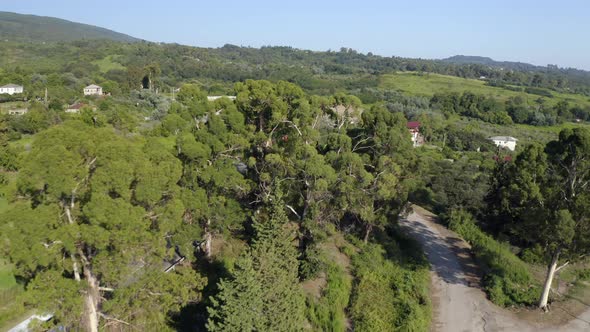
{"x":34,"y":28}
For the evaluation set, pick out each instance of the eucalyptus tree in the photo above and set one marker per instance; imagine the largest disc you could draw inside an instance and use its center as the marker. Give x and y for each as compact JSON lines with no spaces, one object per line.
{"x":545,"y":198}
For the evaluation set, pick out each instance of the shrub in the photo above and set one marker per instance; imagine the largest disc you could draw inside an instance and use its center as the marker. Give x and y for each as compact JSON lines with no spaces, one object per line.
{"x":327,"y":313}
{"x":508,"y":280}
{"x":538,"y":91}
{"x":533,"y":255}
{"x":390,"y":293}
{"x":311,"y":264}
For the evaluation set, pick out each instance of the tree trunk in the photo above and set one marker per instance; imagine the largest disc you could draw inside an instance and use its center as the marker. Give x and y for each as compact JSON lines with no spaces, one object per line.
{"x":549,"y":280}
{"x":368,"y":232}
{"x":75,"y":268}
{"x":208,"y":239}
{"x":261,"y":122}
{"x":71,"y":222}
{"x":91,"y":299}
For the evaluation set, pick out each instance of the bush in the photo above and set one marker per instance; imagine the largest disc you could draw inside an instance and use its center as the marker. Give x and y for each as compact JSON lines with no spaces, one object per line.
{"x":311,"y":264}
{"x":533,"y":255}
{"x":327,"y":313}
{"x":539,"y":92}
{"x":390,"y":293}
{"x":507,"y":279}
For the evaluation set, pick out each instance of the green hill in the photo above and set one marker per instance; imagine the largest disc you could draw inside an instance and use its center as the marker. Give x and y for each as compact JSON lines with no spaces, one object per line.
{"x":21,"y":27}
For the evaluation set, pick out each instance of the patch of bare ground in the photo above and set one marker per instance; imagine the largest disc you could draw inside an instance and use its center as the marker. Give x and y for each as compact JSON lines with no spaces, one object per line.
{"x":333,"y":247}
{"x":314,"y":287}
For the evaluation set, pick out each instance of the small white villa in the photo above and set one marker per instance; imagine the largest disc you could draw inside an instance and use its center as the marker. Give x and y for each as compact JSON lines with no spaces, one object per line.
{"x":93,"y":90}
{"x":507,"y":142}
{"x":11,"y":89}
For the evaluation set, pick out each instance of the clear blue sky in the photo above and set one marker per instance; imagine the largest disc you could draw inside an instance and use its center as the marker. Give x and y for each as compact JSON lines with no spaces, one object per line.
{"x":539,"y":32}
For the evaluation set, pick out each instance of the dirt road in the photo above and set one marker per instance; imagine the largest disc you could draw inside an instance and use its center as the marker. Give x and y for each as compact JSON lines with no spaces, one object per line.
{"x":459,"y":304}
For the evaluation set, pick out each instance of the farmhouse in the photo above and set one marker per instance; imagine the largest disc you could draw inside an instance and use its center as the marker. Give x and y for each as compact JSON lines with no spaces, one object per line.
{"x":414,"y":128}
{"x":93,"y":90}
{"x":11,"y":89}
{"x":75,"y":108}
{"x":507,"y":142}
{"x":18,"y":111}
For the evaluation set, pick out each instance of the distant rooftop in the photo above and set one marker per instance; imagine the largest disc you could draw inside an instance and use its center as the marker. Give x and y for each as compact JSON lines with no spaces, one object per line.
{"x":92,"y":86}
{"x":11,"y":86}
{"x":76,"y":106}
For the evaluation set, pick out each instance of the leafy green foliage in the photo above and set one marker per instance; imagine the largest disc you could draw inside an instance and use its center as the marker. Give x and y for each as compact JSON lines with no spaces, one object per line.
{"x":390,"y":293}
{"x":507,"y":280}
{"x":327,"y":312}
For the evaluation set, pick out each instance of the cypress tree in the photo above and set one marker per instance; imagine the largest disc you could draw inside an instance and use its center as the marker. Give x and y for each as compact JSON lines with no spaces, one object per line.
{"x":263,"y":292}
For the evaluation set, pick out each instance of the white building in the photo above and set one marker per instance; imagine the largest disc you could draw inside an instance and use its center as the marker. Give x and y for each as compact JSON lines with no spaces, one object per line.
{"x":212,"y":98}
{"x":507,"y":142}
{"x":18,"y":111}
{"x":93,"y":90}
{"x":11,"y":89}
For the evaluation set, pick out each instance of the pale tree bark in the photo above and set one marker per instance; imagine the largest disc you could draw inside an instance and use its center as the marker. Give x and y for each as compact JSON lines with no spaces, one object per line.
{"x":549,"y":280}
{"x":208,"y":239}
{"x":91,"y":298}
{"x":368,"y":230}
{"x":72,"y":256}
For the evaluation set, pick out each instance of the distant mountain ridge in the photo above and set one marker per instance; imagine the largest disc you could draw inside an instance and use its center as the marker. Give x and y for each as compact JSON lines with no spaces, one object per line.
{"x":20,"y":27}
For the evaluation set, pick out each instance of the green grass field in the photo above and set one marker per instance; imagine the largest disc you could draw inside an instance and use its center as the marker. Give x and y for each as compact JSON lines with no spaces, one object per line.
{"x":427,"y":84}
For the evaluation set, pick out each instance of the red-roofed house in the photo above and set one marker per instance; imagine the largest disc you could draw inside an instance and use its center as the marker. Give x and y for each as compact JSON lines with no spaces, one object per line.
{"x":414,"y":128}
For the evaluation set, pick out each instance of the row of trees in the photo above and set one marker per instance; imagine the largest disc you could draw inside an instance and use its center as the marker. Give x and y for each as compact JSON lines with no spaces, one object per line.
{"x":514,"y":110}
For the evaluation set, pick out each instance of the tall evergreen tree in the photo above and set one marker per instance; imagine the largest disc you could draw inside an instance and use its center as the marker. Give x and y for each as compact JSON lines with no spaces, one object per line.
{"x":263,"y":291}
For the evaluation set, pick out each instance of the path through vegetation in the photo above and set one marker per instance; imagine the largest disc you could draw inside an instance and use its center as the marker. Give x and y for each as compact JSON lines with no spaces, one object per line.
{"x":459,"y":304}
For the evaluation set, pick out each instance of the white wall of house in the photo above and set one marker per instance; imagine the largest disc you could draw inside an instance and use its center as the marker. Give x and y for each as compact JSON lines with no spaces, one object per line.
{"x":9,"y":89}
{"x":20,"y":111}
{"x":508,"y":144}
{"x":92,"y":91}
{"x":212,"y":98}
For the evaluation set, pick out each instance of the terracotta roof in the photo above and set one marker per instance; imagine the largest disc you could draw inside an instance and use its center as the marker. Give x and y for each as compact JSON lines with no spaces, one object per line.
{"x":413,"y":124}
{"x":76,"y":106}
